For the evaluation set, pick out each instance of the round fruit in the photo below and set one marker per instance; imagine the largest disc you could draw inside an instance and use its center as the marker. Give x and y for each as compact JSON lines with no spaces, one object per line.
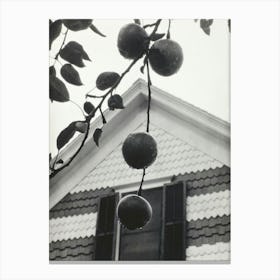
{"x":106,"y":80}
{"x":166,"y":57}
{"x":139,"y":150}
{"x":134,"y":211}
{"x":132,"y":41}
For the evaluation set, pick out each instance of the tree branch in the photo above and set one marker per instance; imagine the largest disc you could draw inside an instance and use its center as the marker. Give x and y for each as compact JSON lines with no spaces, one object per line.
{"x":149,"y":95}
{"x":89,"y":117}
{"x":63,"y":42}
{"x":142,"y":181}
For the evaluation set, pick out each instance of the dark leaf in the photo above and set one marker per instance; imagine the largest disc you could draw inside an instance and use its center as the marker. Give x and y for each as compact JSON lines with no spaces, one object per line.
{"x":74,"y":53}
{"x":88,"y":107}
{"x":103,"y":118}
{"x":55,"y":29}
{"x":106,"y":80}
{"x":94,"y":29}
{"x":52,"y":71}
{"x":137,"y":21}
{"x":77,"y":24}
{"x":156,"y":36}
{"x":96,"y":136}
{"x":60,"y":161}
{"x":195,"y":20}
{"x":58,"y":91}
{"x":115,"y":102}
{"x":81,"y":126}
{"x":65,"y":135}
{"x":229,"y":25}
{"x":142,"y":68}
{"x":50,"y":157}
{"x":85,"y":55}
{"x":205,"y":25}
{"x":70,"y":74}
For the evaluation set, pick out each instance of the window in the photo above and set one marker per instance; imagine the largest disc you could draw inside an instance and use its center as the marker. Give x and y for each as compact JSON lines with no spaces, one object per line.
{"x":163,"y":238}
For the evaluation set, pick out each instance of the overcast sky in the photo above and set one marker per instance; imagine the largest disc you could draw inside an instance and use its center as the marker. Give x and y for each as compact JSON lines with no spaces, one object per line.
{"x":203,"y":79}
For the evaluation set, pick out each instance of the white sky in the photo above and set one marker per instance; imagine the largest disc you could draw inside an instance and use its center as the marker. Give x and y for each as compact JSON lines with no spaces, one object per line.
{"x":203,"y":79}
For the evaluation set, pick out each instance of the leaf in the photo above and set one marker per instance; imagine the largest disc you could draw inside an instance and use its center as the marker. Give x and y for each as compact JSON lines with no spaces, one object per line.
{"x":85,"y":55}
{"x":96,"y":136}
{"x":115,"y":102}
{"x":142,"y":68}
{"x":106,"y":80}
{"x":195,"y":20}
{"x":137,"y":21}
{"x":74,"y":53}
{"x":205,"y":25}
{"x":156,"y":36}
{"x":81,"y":126}
{"x":70,"y":74}
{"x":55,"y":29}
{"x":94,"y":29}
{"x":50,"y":157}
{"x":52,"y":71}
{"x":88,"y":107}
{"x":65,"y":135}
{"x":60,"y":161}
{"x":103,"y":118}
{"x":77,"y":24}
{"x":229,"y":25}
{"x":58,"y":91}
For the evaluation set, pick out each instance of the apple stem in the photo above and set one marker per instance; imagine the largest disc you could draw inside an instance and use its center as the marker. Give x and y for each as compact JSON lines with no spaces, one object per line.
{"x":149,"y":96}
{"x":142,"y":181}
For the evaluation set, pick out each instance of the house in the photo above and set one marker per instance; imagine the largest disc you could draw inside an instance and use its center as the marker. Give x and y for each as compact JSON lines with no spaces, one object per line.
{"x":188,"y":187}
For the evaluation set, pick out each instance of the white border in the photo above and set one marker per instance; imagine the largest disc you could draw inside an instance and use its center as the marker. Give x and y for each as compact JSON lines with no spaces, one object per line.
{"x":255,"y":138}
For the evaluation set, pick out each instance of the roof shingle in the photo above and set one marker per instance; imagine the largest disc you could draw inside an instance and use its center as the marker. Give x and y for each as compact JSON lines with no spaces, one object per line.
{"x":174,"y":156}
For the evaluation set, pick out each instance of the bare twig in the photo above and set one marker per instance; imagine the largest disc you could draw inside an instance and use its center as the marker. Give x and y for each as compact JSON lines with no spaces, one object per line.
{"x":78,"y":106}
{"x":168,"y":30}
{"x":149,"y":25}
{"x":94,"y":96}
{"x":149,"y":95}
{"x":142,"y":181}
{"x":63,"y":42}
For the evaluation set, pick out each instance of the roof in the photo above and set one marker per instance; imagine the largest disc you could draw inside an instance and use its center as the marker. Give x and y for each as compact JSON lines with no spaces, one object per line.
{"x":189,"y":140}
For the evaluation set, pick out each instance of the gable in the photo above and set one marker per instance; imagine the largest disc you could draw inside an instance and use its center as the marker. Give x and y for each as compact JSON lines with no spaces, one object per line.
{"x":175,"y":156}
{"x":199,"y":129}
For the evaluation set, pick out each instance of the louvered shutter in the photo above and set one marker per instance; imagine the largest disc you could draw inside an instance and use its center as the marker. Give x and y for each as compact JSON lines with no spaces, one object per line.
{"x":174,"y":222}
{"x":106,"y":228}
{"x":144,"y":244}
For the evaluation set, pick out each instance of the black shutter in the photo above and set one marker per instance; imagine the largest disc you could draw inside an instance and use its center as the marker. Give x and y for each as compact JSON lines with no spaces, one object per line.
{"x":174,"y":222}
{"x":105,"y":230}
{"x":144,"y":244}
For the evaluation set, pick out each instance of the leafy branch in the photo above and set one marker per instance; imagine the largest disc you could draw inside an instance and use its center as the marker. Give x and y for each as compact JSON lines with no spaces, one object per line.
{"x":98,"y":107}
{"x":89,"y":117}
